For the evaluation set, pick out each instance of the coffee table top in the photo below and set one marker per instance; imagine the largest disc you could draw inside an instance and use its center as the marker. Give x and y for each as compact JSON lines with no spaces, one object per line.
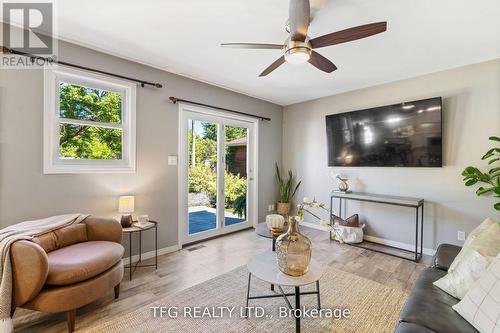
{"x":265,"y":267}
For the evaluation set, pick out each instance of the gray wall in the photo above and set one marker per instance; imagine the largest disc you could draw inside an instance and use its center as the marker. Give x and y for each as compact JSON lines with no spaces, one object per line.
{"x":471,"y":97}
{"x":26,"y":193}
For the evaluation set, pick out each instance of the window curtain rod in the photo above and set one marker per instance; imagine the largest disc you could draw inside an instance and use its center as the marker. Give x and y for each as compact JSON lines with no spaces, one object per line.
{"x":49,"y":60}
{"x":175,"y":100}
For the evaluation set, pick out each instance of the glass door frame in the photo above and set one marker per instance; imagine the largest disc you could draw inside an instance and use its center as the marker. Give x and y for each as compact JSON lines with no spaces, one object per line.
{"x":189,"y":112}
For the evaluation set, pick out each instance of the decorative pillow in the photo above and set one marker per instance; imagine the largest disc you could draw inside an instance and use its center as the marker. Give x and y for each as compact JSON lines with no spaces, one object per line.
{"x":466,"y":272}
{"x":470,"y":238}
{"x":481,"y":305}
{"x":472,"y":261}
{"x":352,"y":221}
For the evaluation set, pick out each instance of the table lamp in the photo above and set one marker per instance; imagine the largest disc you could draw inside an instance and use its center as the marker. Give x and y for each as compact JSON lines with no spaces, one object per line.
{"x":126,"y":205}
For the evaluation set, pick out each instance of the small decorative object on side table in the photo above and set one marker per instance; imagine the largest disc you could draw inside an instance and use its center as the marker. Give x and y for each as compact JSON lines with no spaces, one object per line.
{"x":343,"y":185}
{"x":275,"y":224}
{"x":137,"y":229}
{"x":143,"y":222}
{"x":126,"y":204}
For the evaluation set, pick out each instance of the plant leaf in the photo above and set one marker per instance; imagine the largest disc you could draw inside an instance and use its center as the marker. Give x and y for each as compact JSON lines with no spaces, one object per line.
{"x":471,"y":182}
{"x":489,"y":153}
{"x":494,"y":160}
{"x":494,"y":138}
{"x":482,"y":190}
{"x":296,"y":188}
{"x":497,"y":206}
{"x":494,"y":169}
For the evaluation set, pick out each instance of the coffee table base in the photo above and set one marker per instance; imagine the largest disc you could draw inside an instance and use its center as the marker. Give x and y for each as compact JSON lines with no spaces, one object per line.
{"x":297,"y":295}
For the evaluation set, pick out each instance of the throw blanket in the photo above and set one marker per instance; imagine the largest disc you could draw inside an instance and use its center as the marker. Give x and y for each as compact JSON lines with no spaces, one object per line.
{"x":24,"y":230}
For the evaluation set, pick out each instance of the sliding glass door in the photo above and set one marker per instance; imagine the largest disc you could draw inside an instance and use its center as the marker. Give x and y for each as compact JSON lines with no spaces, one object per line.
{"x":217,"y":172}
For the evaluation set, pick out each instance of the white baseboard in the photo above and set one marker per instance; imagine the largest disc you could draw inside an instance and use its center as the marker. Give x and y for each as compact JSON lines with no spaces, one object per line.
{"x":151,"y":254}
{"x":406,"y":246}
{"x":374,"y":239}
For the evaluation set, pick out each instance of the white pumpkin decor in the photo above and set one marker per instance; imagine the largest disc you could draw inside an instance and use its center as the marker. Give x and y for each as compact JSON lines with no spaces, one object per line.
{"x":275,"y":221}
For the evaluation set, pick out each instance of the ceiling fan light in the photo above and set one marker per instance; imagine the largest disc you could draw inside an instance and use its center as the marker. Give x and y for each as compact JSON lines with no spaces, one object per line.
{"x":298,"y":55}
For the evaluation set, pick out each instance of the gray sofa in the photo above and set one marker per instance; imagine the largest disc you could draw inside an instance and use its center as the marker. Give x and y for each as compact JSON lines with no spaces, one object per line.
{"x":428,"y":308}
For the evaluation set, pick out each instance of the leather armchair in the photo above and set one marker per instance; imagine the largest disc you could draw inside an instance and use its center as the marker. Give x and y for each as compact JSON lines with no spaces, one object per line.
{"x":64,"y":269}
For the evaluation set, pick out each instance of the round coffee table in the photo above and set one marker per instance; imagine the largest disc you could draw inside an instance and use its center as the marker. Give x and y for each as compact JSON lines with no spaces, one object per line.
{"x":265,"y":267}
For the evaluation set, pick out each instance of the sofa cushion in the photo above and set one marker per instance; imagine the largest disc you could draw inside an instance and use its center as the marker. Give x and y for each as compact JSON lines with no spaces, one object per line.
{"x":48,"y":241}
{"x":430,"y":307}
{"x":62,"y":237}
{"x":72,"y":234}
{"x":82,"y":261}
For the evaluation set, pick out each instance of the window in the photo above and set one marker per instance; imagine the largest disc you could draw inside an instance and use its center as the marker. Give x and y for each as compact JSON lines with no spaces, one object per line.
{"x":89,"y":123}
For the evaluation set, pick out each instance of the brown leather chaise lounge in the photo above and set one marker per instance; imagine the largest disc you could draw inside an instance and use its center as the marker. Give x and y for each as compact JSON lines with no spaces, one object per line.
{"x":62,"y":270}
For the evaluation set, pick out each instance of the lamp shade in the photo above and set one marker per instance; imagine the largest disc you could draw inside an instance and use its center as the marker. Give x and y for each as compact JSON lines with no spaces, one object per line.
{"x":126,"y":204}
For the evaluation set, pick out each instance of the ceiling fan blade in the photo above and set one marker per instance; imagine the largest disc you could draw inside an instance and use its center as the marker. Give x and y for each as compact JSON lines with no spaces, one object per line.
{"x":348,"y":35}
{"x":257,"y":46}
{"x":273,"y":66}
{"x":299,"y":19}
{"x":322,"y":63}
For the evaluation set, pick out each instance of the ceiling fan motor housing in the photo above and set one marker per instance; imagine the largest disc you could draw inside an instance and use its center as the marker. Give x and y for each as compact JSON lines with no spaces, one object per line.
{"x":298,"y":52}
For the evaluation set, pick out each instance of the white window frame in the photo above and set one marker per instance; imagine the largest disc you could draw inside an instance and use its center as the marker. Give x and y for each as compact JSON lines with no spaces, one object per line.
{"x":52,"y":163}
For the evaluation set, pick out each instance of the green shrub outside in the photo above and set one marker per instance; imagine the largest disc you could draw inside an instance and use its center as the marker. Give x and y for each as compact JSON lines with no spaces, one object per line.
{"x":203,"y":179}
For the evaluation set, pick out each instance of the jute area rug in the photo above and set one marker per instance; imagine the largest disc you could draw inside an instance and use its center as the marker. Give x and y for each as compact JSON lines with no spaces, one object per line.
{"x":373,"y":308}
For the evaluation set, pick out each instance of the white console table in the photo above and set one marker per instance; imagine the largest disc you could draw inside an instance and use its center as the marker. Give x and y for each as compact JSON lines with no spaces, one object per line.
{"x":415,"y":203}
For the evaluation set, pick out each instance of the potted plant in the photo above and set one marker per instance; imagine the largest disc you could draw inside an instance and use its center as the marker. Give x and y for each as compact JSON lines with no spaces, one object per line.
{"x":491,"y":178}
{"x":287,"y":189}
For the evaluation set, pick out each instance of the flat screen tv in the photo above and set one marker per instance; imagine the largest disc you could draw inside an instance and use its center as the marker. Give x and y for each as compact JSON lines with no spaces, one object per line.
{"x":399,"y":135}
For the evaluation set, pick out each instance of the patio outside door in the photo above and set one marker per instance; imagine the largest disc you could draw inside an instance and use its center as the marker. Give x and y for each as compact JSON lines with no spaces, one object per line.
{"x":217,"y":173}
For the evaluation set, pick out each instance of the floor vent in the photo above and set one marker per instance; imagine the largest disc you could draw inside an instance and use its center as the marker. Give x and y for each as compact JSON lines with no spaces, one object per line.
{"x":194,"y":248}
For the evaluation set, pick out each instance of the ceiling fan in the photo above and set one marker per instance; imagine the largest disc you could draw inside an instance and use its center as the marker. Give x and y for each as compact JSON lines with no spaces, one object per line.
{"x":298,"y":48}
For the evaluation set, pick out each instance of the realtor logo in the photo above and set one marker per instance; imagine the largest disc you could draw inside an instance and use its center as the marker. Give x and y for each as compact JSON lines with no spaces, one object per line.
{"x":29,"y":28}
{"x":27,"y":34}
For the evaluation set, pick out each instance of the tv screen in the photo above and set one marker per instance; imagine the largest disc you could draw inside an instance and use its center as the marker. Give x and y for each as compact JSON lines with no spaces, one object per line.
{"x":399,"y":135}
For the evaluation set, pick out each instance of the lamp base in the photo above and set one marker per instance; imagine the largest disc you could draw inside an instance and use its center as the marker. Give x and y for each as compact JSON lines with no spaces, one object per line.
{"x":126,"y":221}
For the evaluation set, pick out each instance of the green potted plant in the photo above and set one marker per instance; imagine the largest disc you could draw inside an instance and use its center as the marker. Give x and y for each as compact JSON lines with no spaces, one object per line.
{"x":287,"y":189}
{"x":491,"y":178}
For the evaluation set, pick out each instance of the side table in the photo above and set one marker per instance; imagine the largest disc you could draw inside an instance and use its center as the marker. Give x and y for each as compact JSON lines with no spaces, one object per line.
{"x":135,"y":229}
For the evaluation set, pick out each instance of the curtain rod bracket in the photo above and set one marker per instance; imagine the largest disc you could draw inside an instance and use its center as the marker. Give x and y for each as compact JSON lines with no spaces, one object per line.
{"x":175,"y":100}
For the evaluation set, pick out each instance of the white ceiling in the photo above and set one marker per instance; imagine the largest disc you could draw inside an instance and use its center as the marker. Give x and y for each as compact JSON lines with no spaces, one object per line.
{"x":183,"y":36}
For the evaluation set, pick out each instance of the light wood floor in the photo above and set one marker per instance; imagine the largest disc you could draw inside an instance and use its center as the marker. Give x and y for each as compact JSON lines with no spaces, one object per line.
{"x":203,"y":261}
